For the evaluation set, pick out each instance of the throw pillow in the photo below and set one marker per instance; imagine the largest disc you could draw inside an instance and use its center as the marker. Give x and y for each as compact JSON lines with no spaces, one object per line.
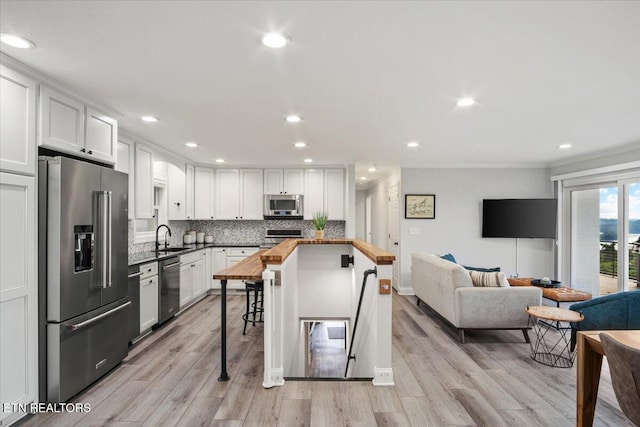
{"x":448,"y":257}
{"x":493,"y":269}
{"x":484,"y":279}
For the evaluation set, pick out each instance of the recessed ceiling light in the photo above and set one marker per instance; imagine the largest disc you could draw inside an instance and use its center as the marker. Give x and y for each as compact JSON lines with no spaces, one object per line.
{"x":466,"y":102}
{"x":412,"y":144}
{"x":293,"y":119}
{"x":274,"y":40}
{"x":149,"y":119}
{"x":219,"y":160}
{"x":564,"y":146}
{"x":308,"y":160}
{"x":363,"y":178}
{"x":300,"y":144}
{"x":16,"y":41}
{"x":372,"y":169}
{"x":191,"y":144}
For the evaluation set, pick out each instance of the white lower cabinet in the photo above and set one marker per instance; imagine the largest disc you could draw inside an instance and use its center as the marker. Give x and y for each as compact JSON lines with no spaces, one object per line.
{"x":226,"y":257}
{"x":191,"y":277}
{"x":148,"y":302}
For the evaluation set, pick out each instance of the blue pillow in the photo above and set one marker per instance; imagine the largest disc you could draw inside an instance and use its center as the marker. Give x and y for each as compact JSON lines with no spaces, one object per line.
{"x":485,"y":270}
{"x":449,"y":257}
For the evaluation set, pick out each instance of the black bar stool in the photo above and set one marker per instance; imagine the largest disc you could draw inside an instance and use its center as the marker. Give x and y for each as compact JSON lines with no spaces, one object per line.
{"x":256,"y":307}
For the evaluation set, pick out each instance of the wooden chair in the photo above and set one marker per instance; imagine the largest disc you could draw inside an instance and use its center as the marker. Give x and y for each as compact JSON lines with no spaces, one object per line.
{"x":624,"y":364}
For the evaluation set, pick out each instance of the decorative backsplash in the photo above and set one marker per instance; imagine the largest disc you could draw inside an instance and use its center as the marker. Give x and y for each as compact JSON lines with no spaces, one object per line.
{"x":237,"y":232}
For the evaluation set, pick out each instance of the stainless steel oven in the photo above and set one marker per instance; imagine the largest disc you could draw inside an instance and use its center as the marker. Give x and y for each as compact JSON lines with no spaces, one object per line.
{"x":283,"y":206}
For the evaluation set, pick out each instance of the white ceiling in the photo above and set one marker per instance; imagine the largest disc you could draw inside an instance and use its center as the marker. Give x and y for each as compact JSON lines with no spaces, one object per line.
{"x":367,"y":77}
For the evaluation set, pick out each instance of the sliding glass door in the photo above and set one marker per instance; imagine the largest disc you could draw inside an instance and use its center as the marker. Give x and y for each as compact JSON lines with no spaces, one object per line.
{"x":604,"y":232}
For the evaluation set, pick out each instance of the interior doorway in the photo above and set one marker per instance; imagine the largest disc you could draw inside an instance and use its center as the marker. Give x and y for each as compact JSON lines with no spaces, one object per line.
{"x":326,"y":349}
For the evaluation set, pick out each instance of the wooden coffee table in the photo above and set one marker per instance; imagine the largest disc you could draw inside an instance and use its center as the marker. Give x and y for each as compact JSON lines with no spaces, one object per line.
{"x":551,"y":345}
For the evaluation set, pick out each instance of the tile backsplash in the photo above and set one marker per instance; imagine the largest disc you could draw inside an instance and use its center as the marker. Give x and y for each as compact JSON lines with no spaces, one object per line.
{"x":237,"y":232}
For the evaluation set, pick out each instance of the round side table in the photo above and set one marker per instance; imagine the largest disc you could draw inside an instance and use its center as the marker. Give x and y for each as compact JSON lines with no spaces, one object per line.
{"x":552,"y":345}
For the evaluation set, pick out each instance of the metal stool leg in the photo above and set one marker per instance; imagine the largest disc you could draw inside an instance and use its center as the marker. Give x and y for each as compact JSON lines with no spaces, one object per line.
{"x":246,"y":314}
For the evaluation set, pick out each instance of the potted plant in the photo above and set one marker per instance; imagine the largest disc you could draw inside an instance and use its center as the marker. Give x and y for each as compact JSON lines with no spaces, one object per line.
{"x":319,"y":222}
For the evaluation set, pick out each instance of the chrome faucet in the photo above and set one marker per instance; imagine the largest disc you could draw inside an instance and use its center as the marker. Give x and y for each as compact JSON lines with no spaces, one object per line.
{"x":166,"y":241}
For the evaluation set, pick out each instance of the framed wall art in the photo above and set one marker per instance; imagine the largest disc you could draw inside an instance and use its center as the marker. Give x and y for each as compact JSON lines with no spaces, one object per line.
{"x":420,"y":206}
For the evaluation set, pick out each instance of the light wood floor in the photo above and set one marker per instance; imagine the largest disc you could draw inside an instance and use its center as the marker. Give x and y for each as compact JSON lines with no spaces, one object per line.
{"x":170,"y":379}
{"x":328,"y":356}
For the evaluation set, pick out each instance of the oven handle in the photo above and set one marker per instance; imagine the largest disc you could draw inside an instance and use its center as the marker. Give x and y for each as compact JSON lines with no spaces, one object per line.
{"x":95,"y":319}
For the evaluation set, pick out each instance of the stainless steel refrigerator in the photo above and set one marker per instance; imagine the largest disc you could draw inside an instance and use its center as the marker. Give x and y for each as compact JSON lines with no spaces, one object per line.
{"x":83,"y":294}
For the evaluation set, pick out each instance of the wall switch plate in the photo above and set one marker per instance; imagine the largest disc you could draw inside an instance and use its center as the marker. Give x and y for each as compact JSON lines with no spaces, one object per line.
{"x":385,"y":286}
{"x":414,"y":231}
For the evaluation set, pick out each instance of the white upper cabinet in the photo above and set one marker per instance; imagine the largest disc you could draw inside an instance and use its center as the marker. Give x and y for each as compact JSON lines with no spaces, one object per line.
{"x":283,"y":181}
{"x":273,"y":181}
{"x":176,"y":193}
{"x":313,"y":192}
{"x":239,"y":194}
{"x":227,"y":194}
{"x":251,"y":194}
{"x":204,"y":192}
{"x":17,"y":122}
{"x":143,"y":182}
{"x":126,"y":156}
{"x":67,"y":125}
{"x":189,"y":191}
{"x":101,"y":136}
{"x":334,"y":193}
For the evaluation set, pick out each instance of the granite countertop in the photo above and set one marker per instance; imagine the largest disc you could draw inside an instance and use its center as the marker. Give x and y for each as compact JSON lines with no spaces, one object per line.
{"x":150,"y":256}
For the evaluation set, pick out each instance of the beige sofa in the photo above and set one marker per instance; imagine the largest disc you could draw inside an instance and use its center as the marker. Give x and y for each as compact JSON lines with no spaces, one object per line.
{"x":447,"y":288}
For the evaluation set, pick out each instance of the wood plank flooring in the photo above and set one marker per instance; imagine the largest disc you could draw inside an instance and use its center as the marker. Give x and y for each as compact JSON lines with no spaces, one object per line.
{"x":170,"y":379}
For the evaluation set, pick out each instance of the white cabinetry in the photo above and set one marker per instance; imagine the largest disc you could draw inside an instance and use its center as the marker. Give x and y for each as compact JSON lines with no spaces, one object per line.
{"x":227,"y":194}
{"x":126,"y":160}
{"x":176,"y":193}
{"x":204,"y":191}
{"x":334,"y":193}
{"x":251,"y":193}
{"x":324,"y":192}
{"x":67,"y":125}
{"x":313,"y":192}
{"x":219,"y":263}
{"x":189,"y":192}
{"x":207,"y":267}
{"x":18,"y":293}
{"x":143,"y":182}
{"x":239,"y":193}
{"x":148,"y":296}
{"x":17,"y":122}
{"x":191,"y":277}
{"x":233,"y":256}
{"x":283,"y":181}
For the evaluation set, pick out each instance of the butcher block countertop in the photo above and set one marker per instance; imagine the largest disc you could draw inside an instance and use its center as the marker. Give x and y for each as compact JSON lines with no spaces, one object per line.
{"x":280,"y":253}
{"x":249,"y":268}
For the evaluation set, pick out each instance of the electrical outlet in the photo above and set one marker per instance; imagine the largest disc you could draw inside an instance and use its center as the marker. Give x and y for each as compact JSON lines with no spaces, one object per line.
{"x":385,"y":286}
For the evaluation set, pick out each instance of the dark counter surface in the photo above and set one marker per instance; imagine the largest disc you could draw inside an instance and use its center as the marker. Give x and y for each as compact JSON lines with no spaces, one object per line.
{"x":150,"y":256}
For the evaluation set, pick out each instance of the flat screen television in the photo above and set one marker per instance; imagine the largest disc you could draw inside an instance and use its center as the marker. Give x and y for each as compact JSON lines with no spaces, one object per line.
{"x":532,"y":218}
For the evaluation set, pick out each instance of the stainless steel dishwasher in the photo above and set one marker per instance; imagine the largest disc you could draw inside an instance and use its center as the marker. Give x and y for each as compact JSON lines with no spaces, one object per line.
{"x":169,"y":297}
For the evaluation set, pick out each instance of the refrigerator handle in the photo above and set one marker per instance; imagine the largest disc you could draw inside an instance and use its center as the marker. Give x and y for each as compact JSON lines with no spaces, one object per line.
{"x":108,"y":224}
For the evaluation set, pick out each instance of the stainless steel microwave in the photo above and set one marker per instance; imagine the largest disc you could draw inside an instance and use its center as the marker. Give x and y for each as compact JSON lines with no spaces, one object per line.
{"x":283,"y":206}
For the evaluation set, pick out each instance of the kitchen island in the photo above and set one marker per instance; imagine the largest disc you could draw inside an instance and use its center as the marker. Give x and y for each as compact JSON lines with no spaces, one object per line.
{"x":307,"y":280}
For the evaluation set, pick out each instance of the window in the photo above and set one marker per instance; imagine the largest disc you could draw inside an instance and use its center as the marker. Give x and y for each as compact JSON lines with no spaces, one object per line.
{"x":600,"y":242}
{"x":146,"y":228}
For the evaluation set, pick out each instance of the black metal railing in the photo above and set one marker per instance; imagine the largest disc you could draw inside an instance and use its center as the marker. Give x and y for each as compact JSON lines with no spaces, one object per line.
{"x":609,"y":260}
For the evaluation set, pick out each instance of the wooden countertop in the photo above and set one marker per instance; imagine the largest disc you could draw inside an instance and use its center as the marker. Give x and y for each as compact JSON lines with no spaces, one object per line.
{"x":279,"y":254}
{"x":249,"y":268}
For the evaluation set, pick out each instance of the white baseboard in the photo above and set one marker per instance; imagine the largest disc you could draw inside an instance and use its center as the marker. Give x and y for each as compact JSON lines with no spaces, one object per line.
{"x":383,"y":376}
{"x":277,"y":378}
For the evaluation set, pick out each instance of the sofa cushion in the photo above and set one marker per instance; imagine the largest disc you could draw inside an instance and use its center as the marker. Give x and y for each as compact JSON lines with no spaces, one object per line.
{"x":448,"y":257}
{"x":491,"y":269}
{"x":485,"y":279}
